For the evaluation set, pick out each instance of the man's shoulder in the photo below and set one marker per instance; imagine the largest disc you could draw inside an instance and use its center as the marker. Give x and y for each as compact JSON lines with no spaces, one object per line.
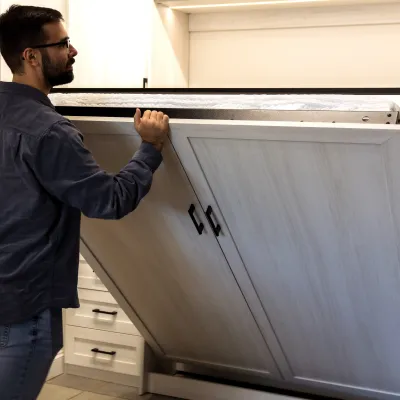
{"x":41,"y":118}
{"x":63,"y":129}
{"x":28,"y":117}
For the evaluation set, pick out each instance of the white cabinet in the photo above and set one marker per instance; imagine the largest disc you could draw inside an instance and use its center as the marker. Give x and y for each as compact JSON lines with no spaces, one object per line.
{"x":99,"y":335}
{"x":88,"y":279}
{"x":313,"y":214}
{"x":100,"y":311}
{"x":107,"y":351}
{"x":113,"y":41}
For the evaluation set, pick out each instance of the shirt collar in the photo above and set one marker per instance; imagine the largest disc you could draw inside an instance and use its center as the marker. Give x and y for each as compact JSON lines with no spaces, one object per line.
{"x":27,"y":91}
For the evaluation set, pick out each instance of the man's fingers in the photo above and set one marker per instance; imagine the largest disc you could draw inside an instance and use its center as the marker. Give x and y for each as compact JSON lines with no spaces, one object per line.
{"x":146,"y":114}
{"x":154,"y":115}
{"x":137,"y":116}
{"x":160,"y":116}
{"x":165,"y":118}
{"x":136,"y":119}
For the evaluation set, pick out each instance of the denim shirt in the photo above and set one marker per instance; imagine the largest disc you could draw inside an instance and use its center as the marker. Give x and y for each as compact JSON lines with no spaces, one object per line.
{"x":47,"y":179}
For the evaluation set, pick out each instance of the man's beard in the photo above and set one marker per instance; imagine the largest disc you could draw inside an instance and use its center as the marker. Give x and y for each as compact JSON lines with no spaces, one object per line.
{"x":56,"y":74}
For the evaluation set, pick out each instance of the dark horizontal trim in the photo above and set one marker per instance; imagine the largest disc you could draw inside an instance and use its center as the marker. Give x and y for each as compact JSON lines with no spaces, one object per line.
{"x":181,"y":113}
{"x":129,"y":112}
{"x":360,"y":91}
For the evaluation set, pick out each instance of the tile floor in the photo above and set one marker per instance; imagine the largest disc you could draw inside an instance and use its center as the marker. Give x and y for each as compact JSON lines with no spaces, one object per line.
{"x":68,"y":387}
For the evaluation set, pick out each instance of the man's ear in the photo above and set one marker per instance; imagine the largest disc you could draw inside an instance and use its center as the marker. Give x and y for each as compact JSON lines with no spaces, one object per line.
{"x":29,"y":55}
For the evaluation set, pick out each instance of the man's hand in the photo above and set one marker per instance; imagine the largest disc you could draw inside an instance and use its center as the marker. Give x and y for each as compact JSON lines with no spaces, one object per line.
{"x":153,"y":127}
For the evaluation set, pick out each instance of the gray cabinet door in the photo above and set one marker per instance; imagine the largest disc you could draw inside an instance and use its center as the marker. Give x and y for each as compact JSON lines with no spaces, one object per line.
{"x":314,"y":215}
{"x":175,"y":284}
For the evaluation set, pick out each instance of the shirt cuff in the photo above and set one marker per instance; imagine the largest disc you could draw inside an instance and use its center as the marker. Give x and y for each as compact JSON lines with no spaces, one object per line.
{"x":148,"y":154}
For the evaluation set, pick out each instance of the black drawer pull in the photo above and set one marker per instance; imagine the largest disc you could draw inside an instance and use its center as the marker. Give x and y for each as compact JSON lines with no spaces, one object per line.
{"x":109,"y":353}
{"x":96,"y":310}
{"x":199,"y":226}
{"x":216,"y":228}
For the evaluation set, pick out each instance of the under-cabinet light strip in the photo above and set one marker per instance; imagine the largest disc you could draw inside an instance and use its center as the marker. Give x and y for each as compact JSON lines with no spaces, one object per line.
{"x":253,"y":3}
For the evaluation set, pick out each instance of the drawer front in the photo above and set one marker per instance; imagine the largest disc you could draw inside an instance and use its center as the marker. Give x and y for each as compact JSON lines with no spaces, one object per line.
{"x":87,"y":278}
{"x":99,"y":310}
{"x":107,"y":351}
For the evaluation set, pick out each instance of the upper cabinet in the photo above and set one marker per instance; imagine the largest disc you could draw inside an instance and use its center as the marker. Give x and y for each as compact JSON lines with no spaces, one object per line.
{"x":316,"y":45}
{"x":113,"y":42}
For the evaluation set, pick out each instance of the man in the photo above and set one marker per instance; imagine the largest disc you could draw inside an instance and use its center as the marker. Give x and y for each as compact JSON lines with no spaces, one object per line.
{"x":47,"y":179}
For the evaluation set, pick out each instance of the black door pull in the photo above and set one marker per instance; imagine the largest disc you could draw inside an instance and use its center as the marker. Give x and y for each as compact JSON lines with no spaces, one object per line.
{"x":109,"y":353}
{"x":96,"y":310}
{"x":199,"y":226}
{"x":216,"y":228}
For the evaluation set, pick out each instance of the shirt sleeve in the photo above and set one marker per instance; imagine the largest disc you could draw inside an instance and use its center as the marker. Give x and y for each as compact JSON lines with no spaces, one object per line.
{"x":69,"y":172}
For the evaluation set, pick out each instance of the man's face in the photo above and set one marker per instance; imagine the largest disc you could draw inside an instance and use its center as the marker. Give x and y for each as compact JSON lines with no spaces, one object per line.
{"x":57,"y":60}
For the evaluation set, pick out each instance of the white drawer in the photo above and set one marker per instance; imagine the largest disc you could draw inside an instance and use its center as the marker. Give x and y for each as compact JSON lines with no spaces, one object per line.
{"x":87,"y":278}
{"x":88,"y":347}
{"x":93,"y":313}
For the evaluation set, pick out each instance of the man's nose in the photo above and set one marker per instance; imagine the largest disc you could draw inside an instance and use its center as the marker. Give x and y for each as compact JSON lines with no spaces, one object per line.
{"x":72,"y":51}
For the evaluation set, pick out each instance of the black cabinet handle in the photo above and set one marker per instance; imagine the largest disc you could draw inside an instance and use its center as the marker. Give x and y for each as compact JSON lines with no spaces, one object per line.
{"x":109,"y":353}
{"x":216,"y":228}
{"x":96,"y":310}
{"x":199,"y":226}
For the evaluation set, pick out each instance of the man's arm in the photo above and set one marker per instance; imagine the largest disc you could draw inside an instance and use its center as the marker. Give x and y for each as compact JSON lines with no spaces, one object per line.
{"x":68,"y":171}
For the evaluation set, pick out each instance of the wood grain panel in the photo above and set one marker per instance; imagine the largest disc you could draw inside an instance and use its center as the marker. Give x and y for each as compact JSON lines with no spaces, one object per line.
{"x":313,"y":223}
{"x":177,"y":282}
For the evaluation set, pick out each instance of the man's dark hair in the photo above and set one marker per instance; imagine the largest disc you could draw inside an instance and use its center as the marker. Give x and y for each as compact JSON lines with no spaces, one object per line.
{"x":22,"y":27}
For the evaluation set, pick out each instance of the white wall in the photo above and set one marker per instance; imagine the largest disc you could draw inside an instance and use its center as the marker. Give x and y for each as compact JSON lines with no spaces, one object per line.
{"x":322,"y":47}
{"x":113,"y":40}
{"x":60,"y":5}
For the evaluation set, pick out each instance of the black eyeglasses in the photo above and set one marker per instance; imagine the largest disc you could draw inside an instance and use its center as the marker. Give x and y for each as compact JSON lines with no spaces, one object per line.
{"x":63,"y":43}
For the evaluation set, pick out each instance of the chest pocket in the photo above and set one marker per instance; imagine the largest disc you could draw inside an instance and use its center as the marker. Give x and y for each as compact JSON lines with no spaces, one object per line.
{"x":4,"y":335}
